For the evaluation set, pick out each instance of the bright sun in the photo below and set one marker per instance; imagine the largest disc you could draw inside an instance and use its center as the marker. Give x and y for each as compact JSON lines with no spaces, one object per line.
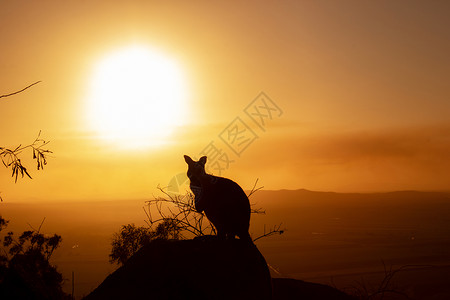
{"x":137,"y":98}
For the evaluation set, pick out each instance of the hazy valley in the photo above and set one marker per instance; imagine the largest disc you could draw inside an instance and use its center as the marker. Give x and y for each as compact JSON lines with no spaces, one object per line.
{"x":330,"y":238}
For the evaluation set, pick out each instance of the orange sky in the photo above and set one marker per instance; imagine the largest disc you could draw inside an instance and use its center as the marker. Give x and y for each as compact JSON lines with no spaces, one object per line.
{"x":363,"y":89}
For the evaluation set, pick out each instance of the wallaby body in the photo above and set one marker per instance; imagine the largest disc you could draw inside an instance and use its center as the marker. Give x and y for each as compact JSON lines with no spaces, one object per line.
{"x":224,"y":202}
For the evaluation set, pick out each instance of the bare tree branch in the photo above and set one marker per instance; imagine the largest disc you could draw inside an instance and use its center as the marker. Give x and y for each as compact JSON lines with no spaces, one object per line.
{"x":17,"y":92}
{"x":255,"y":189}
{"x":180,"y":209}
{"x":365,"y":290}
{"x":274,"y":230}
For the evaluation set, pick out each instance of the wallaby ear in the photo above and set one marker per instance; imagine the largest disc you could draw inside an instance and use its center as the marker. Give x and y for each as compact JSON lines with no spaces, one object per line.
{"x":188,"y":160}
{"x":202,"y":160}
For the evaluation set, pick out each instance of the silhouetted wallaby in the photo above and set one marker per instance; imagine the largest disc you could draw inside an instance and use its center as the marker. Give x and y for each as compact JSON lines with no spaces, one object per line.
{"x":224,"y":202}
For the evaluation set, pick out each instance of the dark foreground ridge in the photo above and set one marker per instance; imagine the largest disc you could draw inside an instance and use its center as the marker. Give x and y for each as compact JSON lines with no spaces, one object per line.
{"x":203,"y":269}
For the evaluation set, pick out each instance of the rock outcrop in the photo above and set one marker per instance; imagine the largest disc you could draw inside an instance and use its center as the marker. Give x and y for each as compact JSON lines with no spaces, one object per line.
{"x":190,"y":269}
{"x":203,"y":269}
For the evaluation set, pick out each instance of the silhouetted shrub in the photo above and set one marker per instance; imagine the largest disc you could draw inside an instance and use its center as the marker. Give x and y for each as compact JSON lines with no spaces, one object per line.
{"x":131,"y":238}
{"x":25,"y":270}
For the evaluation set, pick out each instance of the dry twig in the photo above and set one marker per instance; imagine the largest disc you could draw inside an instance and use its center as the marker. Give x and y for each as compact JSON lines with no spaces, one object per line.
{"x":20,"y":91}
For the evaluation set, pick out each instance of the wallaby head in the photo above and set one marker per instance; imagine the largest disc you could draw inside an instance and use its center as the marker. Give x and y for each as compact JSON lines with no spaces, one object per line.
{"x":195,"y":168}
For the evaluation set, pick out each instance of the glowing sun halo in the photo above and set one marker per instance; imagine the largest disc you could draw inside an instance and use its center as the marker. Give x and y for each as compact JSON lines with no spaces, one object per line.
{"x":137,"y":98}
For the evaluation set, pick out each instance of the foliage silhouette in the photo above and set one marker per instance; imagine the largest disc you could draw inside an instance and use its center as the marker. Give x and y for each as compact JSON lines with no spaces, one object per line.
{"x":131,"y":238}
{"x":11,"y":156}
{"x":25,"y":270}
{"x":127,"y":242}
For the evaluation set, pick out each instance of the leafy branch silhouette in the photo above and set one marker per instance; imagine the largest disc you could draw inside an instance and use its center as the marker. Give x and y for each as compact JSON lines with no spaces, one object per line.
{"x":10,"y":157}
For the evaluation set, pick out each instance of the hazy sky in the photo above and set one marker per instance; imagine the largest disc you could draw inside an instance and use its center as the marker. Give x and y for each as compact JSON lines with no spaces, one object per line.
{"x":359,"y":91}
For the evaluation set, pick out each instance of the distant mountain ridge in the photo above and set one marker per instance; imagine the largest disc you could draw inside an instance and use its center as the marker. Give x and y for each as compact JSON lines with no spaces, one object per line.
{"x":303,"y":194}
{"x":415,"y":194}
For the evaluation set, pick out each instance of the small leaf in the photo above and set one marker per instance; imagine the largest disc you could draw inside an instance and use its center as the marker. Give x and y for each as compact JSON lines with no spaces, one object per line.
{"x":26,"y":172}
